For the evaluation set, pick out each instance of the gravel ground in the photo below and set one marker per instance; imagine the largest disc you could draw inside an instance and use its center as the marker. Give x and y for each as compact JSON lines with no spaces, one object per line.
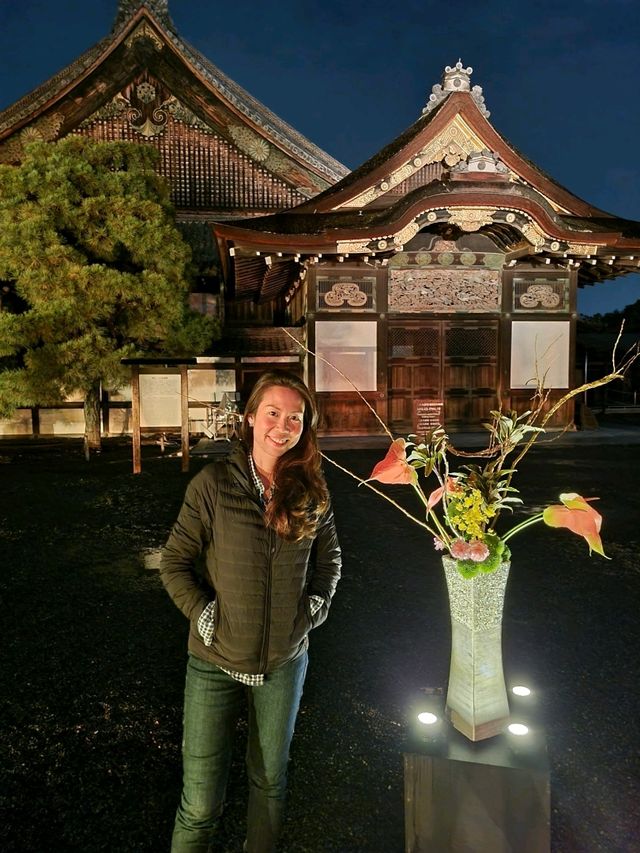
{"x":93,"y":657}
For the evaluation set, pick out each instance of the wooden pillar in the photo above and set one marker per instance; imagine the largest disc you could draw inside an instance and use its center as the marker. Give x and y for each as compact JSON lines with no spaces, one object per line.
{"x":104,"y":404}
{"x":184,"y":415}
{"x":35,"y":420}
{"x":135,"y":418}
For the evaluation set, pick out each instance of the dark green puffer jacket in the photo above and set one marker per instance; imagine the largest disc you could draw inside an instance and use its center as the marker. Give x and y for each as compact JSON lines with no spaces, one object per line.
{"x":261,"y":582}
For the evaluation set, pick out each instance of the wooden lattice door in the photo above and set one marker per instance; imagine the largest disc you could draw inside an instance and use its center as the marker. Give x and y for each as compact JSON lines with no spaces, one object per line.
{"x":453,"y":361}
{"x":470,"y":371}
{"x":415,"y":369}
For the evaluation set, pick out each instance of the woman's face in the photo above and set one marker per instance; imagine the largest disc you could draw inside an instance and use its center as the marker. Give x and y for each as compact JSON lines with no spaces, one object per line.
{"x":277,"y":424}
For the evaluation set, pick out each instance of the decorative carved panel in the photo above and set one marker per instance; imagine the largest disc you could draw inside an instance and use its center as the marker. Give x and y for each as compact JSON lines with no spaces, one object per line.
{"x":146,"y":104}
{"x":416,"y":290}
{"x":356,"y":246}
{"x":471,"y":218}
{"x":542,"y":293}
{"x":345,"y":293}
{"x":535,"y":235}
{"x":145,"y":31}
{"x":45,"y":129}
{"x":446,"y":253}
{"x":582,"y":248}
{"x":452,"y":145}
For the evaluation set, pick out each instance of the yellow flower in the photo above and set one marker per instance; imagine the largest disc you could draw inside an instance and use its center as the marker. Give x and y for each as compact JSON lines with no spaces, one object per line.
{"x":469,"y":514}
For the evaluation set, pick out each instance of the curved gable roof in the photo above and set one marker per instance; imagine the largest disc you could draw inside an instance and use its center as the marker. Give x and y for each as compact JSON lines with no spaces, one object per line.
{"x":152,"y":19}
{"x":449,"y":169}
{"x":457,"y":120}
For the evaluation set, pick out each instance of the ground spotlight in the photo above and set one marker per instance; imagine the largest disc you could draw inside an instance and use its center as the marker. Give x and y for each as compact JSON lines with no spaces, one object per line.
{"x":523,"y":697}
{"x":427,"y":718}
{"x":518,"y":729}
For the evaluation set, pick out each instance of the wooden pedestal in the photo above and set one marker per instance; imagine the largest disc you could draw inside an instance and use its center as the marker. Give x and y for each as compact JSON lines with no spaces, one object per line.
{"x":488,"y":797}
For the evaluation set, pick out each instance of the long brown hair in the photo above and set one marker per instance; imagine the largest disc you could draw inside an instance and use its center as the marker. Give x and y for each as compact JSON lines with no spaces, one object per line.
{"x":300,"y":496}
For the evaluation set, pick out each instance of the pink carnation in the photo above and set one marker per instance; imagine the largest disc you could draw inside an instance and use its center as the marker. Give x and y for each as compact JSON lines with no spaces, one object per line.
{"x":478,"y":551}
{"x":460,"y":550}
{"x":438,"y":544}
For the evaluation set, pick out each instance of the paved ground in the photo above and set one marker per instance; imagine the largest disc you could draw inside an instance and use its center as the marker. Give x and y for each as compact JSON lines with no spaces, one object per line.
{"x":93,"y":656}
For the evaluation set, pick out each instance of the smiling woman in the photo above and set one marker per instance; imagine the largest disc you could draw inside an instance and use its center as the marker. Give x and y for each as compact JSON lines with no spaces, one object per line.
{"x":277,"y":426}
{"x":263,"y":521}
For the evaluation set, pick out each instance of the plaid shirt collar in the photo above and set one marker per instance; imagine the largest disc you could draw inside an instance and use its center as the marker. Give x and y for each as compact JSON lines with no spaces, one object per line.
{"x":257,"y":481}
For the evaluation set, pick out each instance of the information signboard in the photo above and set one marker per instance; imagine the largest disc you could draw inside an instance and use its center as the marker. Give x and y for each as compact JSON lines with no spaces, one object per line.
{"x":427,"y":415}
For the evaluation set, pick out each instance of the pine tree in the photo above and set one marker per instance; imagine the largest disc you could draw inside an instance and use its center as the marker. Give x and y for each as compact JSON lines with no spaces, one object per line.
{"x":94,"y":271}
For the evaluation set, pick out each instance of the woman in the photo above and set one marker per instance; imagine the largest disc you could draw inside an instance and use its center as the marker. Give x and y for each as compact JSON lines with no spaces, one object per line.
{"x":254,"y":517}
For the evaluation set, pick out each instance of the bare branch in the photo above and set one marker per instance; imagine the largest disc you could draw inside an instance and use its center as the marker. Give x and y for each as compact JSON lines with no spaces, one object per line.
{"x":378,"y":492}
{"x":346,"y":378}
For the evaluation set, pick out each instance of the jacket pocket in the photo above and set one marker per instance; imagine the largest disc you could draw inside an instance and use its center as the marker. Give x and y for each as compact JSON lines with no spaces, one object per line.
{"x":303,"y":622}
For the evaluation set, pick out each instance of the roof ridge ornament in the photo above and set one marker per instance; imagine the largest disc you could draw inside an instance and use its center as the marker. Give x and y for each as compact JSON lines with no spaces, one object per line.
{"x":456,"y":79}
{"x":158,"y":8}
{"x":484,"y":161}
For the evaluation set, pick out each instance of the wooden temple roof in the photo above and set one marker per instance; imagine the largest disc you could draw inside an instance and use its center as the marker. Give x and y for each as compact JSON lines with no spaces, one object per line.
{"x":259,"y":341}
{"x":223,"y":151}
{"x":451,"y":173}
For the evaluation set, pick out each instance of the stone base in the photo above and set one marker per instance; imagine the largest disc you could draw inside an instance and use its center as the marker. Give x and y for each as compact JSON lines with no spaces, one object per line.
{"x":462,"y":796}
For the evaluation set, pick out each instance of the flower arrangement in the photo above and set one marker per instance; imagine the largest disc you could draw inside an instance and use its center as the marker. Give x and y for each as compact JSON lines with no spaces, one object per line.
{"x":462,"y":512}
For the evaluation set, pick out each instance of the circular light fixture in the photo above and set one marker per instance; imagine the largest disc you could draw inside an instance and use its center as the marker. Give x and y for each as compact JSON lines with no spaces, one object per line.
{"x":521,"y":690}
{"x":427,"y":718}
{"x":518,"y":729}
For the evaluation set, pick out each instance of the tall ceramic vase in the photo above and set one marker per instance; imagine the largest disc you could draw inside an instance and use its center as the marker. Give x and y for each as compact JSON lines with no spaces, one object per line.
{"x":477,"y":702}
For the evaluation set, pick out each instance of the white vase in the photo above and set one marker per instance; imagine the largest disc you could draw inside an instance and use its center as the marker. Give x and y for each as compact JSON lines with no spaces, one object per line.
{"x":477,"y":703}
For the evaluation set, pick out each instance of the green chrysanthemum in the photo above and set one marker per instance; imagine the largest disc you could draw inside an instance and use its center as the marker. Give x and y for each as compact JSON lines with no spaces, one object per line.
{"x":498,"y":553}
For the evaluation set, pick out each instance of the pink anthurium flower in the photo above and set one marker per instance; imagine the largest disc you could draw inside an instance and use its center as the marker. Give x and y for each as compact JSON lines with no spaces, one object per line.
{"x":394,"y":468}
{"x":576,"y":515}
{"x":436,"y":495}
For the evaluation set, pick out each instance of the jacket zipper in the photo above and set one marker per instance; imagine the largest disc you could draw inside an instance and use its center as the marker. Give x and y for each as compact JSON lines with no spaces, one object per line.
{"x":264,"y":654}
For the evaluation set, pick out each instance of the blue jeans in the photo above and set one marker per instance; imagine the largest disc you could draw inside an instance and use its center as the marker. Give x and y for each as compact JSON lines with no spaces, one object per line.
{"x":212,"y":705}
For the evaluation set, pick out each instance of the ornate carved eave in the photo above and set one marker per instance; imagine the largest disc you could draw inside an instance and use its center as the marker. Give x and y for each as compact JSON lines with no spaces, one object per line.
{"x":158,"y":8}
{"x":455,"y":143}
{"x":519,"y":222}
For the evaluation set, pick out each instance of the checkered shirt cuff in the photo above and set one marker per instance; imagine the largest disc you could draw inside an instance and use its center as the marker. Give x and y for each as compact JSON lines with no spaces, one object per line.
{"x":207,"y":623}
{"x":315,"y":603}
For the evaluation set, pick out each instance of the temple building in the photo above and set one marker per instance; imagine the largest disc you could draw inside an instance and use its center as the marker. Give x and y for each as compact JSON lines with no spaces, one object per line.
{"x":439,"y":276}
{"x":223,"y":153}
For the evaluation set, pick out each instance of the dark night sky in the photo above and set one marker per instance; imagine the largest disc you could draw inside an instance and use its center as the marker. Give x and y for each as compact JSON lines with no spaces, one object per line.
{"x":560,"y":79}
